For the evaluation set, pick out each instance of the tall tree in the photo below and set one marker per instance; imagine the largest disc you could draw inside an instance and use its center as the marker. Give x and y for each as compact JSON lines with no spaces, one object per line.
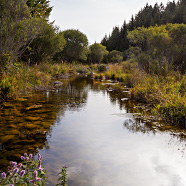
{"x":131,"y":23}
{"x":113,"y":41}
{"x":104,"y":41}
{"x":76,"y":45}
{"x":18,"y":28}
{"x":45,"y":46}
{"x":97,"y":53}
{"x":124,"y":43}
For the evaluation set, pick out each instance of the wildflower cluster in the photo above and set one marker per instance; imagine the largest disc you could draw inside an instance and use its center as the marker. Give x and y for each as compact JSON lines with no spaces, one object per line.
{"x":29,"y":172}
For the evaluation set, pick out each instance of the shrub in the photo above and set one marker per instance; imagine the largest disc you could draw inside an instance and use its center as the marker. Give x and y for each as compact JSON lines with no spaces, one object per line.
{"x":5,"y":87}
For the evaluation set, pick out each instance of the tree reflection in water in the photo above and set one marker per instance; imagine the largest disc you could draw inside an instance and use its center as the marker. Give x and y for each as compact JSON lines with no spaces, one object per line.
{"x":26,"y":124}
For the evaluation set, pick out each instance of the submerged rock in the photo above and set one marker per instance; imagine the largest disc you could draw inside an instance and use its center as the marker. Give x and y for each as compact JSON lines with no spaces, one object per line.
{"x":30,"y":118}
{"x":7,"y":138}
{"x":7,"y":105}
{"x":33,"y":107}
{"x":21,"y":99}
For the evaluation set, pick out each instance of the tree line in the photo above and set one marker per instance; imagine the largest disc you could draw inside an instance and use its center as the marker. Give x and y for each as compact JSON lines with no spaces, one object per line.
{"x":27,"y":35}
{"x":146,"y":17}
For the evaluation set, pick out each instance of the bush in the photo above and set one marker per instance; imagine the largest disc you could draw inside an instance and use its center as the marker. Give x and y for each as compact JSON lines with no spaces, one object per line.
{"x":102,"y":68}
{"x":5,"y":87}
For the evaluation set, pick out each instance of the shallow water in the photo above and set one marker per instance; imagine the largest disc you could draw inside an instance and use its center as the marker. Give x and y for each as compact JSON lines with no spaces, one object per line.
{"x":92,"y":130}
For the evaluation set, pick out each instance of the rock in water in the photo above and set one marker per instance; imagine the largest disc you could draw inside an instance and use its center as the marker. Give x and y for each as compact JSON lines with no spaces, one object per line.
{"x":58,"y":83}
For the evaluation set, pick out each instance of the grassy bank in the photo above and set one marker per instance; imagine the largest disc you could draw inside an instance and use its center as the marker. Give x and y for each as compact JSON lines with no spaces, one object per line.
{"x":165,"y":95}
{"x":19,"y":79}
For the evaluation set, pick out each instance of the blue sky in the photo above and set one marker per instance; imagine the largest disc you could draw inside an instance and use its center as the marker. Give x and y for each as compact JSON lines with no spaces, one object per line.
{"x":95,"y":18}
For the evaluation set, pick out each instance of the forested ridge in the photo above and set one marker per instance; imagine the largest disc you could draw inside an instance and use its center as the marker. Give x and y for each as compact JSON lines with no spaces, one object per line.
{"x":25,"y":31}
{"x":148,"y":16}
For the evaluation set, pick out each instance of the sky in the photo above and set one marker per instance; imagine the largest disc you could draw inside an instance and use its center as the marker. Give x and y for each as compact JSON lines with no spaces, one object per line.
{"x":95,"y":18}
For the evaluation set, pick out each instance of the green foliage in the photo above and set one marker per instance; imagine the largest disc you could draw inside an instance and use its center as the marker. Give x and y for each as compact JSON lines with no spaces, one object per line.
{"x":97,"y":53}
{"x":5,"y":87}
{"x":4,"y":60}
{"x":62,"y":177}
{"x":146,"y":17}
{"x":113,"y":41}
{"x":39,"y":8}
{"x":161,"y":48}
{"x":115,"y":56}
{"x":102,"y":68}
{"x":45,"y":45}
{"x":18,"y":28}
{"x":117,"y":40}
{"x":76,"y":46}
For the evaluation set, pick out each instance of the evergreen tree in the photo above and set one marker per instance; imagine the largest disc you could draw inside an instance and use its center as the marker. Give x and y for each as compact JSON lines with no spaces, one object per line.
{"x":124,"y":43}
{"x":131,"y":24}
{"x":113,"y":41}
{"x":104,"y":41}
{"x":146,"y":17}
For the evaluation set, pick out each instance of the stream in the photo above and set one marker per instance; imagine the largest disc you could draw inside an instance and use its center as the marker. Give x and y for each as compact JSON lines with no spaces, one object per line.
{"x":94,"y":131}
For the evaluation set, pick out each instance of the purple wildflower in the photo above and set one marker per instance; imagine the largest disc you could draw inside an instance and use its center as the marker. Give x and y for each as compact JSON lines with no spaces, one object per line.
{"x":35,"y":178}
{"x":13,"y":164}
{"x":3,"y":174}
{"x":22,"y":173}
{"x":65,"y":166}
{"x":19,"y":165}
{"x":22,"y":158}
{"x":39,"y":166}
{"x":25,"y":155}
{"x":35,"y":174}
{"x":39,"y":157}
{"x":30,"y":156}
{"x":16,"y":170}
{"x":31,"y":181}
{"x":11,"y":184}
{"x":26,"y":158}
{"x":38,"y":179}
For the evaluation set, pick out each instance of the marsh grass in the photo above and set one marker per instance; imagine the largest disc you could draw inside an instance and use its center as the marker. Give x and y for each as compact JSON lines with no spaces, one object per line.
{"x":19,"y":79}
{"x":165,"y":95}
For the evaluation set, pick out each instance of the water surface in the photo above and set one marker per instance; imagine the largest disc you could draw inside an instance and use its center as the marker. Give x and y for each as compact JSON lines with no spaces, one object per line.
{"x":93,"y":131}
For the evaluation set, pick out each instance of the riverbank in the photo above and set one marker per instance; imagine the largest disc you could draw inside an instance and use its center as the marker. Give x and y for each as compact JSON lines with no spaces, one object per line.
{"x":164,"y":95}
{"x":18,"y":79}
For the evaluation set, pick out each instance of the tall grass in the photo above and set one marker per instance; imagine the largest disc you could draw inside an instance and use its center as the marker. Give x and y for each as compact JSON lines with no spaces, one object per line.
{"x":165,"y":95}
{"x":18,"y":78}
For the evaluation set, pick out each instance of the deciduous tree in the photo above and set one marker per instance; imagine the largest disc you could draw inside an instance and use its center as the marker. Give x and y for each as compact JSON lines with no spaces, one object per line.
{"x":97,"y":53}
{"x":19,"y":29}
{"x":76,"y":46}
